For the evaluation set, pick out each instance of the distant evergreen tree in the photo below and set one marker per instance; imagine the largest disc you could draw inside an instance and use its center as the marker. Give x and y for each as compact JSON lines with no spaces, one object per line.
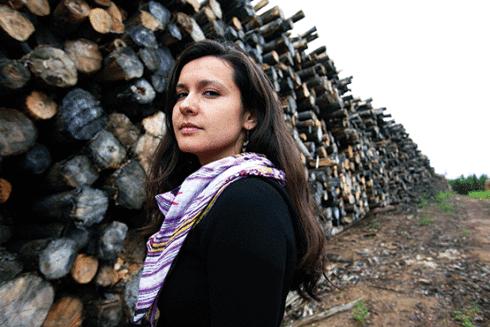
{"x":464,"y":185}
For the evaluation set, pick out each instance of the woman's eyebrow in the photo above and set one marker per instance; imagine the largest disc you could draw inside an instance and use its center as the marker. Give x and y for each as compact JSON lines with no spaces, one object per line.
{"x":203,"y":83}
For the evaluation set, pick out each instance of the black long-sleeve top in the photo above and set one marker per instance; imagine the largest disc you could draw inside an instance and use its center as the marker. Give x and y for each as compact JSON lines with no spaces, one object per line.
{"x":236,"y":266}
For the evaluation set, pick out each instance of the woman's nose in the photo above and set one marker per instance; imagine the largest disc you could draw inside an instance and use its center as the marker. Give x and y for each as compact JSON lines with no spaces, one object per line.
{"x":188,"y":105}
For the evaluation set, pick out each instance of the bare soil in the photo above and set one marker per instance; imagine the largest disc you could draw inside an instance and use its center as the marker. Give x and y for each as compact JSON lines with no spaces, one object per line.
{"x":430,"y":267}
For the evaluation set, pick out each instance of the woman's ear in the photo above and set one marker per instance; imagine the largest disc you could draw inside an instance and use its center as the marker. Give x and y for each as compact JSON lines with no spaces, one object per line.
{"x":250,"y":120}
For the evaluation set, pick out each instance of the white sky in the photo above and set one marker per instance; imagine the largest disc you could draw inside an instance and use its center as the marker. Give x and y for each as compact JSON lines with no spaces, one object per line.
{"x":427,"y":62}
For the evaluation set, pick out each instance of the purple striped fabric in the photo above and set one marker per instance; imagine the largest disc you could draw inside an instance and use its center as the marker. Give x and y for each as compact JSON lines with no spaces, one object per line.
{"x":182,"y":207}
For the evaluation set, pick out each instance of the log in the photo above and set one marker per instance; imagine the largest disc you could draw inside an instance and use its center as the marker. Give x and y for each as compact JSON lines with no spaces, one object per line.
{"x":188,"y":6}
{"x":189,"y":26}
{"x":81,"y":235}
{"x":117,"y":17}
{"x":100,"y":20}
{"x":106,"y":151}
{"x":71,"y":173}
{"x":141,"y":36}
{"x":111,"y":240}
{"x":131,"y":291}
{"x":5,"y":190}
{"x":172,"y":34}
{"x":53,"y":66}
{"x":134,"y":99}
{"x":155,"y":124}
{"x":56,"y":260}
{"x":308,"y":321}
{"x":17,"y":132}
{"x":106,"y":276}
{"x":105,"y":312}
{"x":84,"y":268}
{"x":156,"y":59}
{"x":123,"y":129}
{"x":66,"y":311}
{"x":85,"y":55}
{"x":83,"y":206}
{"x":103,"y":3}
{"x":25,"y":299}
{"x":122,"y":64}
{"x":205,"y":17}
{"x":36,"y":160}
{"x":144,"y":149}
{"x":126,"y":186}
{"x":5,"y":233}
{"x":145,"y":20}
{"x":80,"y":115}
{"x":68,"y":15}
{"x":31,"y":231}
{"x":10,"y":266}
{"x":29,"y":251}
{"x":38,"y":7}
{"x":39,"y":106}
{"x":157,"y":12}
{"x":15,"y":24}
{"x":13,"y":74}
{"x":215,"y":7}
{"x":271,"y":14}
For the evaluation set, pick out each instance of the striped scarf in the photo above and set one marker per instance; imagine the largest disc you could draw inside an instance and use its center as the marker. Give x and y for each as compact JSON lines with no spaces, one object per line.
{"x":182,"y":208}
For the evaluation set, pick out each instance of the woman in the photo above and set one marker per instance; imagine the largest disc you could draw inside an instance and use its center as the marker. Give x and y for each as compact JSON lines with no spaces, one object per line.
{"x":239,"y":229}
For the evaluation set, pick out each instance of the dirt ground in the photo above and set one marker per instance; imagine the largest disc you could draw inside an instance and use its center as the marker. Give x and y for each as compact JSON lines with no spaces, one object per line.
{"x":430,"y":267}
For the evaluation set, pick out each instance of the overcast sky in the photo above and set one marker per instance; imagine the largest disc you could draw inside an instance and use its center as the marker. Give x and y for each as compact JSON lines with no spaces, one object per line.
{"x":427,"y":62}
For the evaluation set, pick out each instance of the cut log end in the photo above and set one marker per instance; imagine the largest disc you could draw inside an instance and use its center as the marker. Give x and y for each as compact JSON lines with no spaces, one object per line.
{"x":85,"y":54}
{"x":15,"y":24}
{"x":39,"y":106}
{"x":100,"y":20}
{"x":38,"y":7}
{"x":22,"y":132}
{"x":5,"y":190}
{"x":84,"y":268}
{"x":53,"y":66}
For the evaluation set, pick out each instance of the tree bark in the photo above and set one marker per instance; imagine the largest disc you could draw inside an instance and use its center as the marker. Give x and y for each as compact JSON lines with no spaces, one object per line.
{"x":17,"y":132}
{"x":127,"y":186}
{"x":106,"y":151}
{"x":65,"y":312}
{"x":81,"y":116}
{"x":111,"y":240}
{"x":71,"y":173}
{"x":25,"y":299}
{"x":83,"y":206}
{"x":56,"y":260}
{"x":53,"y":66}
{"x":13,"y":74}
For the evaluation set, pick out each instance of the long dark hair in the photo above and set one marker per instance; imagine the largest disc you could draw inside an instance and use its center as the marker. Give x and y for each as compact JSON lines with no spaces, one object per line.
{"x":270,"y":137}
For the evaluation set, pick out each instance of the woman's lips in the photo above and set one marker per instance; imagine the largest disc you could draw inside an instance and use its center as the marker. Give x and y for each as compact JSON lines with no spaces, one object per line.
{"x":189,"y":129}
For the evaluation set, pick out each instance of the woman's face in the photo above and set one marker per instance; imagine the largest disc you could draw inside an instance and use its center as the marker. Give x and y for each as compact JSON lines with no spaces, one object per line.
{"x":208,"y":118}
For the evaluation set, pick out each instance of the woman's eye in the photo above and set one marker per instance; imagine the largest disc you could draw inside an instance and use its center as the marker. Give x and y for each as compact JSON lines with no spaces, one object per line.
{"x":180,"y":95}
{"x":211,"y":93}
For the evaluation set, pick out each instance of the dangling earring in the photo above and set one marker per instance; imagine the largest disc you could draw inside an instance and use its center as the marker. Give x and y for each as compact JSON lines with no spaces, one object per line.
{"x":247,"y":140}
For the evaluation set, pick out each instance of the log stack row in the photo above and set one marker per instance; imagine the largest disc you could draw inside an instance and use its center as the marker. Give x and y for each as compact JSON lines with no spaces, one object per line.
{"x":81,"y":88}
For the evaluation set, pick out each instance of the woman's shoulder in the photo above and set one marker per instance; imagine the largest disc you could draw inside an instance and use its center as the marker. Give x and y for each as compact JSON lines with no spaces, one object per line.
{"x":255,"y":191}
{"x":256,"y":202}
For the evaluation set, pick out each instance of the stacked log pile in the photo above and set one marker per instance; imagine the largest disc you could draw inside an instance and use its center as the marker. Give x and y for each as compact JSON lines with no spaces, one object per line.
{"x":81,"y":87}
